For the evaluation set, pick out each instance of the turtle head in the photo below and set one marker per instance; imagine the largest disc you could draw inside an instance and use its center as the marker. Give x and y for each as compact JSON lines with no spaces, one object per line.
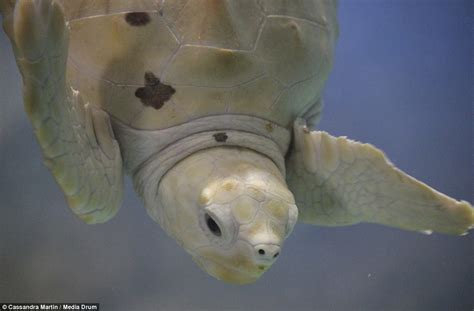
{"x":245,"y":222}
{"x":229,"y":208}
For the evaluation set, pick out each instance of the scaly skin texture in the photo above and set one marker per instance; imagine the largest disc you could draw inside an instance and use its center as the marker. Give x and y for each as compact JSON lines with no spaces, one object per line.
{"x":76,"y":139}
{"x":337,"y":181}
{"x":246,"y":196}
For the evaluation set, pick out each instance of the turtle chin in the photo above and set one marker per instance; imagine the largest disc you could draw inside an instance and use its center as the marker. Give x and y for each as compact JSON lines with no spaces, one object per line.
{"x":229,"y":274}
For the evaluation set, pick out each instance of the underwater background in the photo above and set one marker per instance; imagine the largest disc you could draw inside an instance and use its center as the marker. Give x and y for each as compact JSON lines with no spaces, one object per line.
{"x":402,"y":80}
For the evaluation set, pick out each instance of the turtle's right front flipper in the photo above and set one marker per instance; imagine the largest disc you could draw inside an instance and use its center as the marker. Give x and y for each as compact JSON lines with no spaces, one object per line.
{"x":337,"y":181}
{"x":76,"y":139}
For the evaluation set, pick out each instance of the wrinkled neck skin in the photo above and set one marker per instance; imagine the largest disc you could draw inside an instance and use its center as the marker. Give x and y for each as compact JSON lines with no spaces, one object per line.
{"x":229,"y":207}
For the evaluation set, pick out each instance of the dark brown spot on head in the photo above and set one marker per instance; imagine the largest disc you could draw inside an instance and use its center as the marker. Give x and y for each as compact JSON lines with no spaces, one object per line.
{"x":220,"y":137}
{"x":269,"y":127}
{"x":154,"y":93}
{"x":137,"y":18}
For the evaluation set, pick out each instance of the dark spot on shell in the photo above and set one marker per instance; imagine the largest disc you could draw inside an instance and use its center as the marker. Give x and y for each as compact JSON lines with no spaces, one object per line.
{"x":154,"y":93}
{"x":220,"y":137}
{"x":137,"y":18}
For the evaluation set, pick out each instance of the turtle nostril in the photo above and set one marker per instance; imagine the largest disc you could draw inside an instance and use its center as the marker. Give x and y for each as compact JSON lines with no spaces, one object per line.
{"x":266,"y":253}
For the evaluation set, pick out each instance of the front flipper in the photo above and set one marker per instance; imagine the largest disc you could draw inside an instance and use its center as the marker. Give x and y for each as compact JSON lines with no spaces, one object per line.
{"x":76,"y":139}
{"x":338,"y":181}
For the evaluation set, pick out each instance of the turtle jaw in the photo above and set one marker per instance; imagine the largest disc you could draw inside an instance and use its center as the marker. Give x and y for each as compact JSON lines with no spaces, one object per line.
{"x":227,"y":273}
{"x":241,"y":264}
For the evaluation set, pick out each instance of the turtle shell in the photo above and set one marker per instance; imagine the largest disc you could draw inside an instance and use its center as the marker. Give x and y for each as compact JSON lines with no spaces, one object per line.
{"x":155,"y":64}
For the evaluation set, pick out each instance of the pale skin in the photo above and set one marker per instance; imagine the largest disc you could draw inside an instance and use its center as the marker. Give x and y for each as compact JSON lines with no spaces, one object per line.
{"x":232,"y":211}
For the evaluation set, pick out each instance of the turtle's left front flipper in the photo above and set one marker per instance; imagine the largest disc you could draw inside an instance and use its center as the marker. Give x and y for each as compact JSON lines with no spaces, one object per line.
{"x":337,"y":181}
{"x":76,"y":139}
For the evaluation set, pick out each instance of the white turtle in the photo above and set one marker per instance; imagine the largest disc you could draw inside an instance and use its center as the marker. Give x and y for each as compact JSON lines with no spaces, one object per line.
{"x":206,"y":104}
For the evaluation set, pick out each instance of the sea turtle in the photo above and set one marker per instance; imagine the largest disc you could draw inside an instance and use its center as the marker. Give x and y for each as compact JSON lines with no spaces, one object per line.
{"x":209,"y":105}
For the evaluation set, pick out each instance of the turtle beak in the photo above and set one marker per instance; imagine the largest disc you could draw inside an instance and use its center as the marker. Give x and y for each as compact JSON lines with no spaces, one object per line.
{"x":229,"y":274}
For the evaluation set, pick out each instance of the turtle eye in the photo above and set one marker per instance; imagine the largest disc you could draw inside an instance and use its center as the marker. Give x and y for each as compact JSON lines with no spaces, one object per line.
{"x":218,"y":225}
{"x":212,"y":225}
